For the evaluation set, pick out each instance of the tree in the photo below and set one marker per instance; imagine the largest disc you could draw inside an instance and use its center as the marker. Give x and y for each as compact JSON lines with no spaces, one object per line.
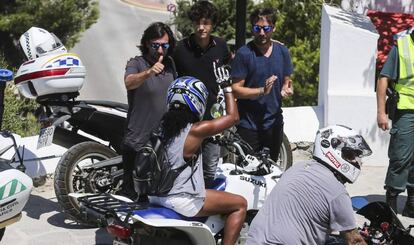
{"x":66,"y":19}
{"x":297,"y":26}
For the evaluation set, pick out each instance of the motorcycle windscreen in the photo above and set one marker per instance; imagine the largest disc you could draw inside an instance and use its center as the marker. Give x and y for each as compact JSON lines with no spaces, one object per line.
{"x":378,"y":212}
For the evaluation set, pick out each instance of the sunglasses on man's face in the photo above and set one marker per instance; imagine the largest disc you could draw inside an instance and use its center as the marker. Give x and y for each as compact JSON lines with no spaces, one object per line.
{"x":156,"y":46}
{"x":257,"y":28}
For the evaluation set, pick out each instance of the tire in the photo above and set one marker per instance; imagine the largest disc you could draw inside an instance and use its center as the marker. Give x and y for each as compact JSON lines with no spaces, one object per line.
{"x":2,"y":232}
{"x":285,"y":155}
{"x":70,"y":164}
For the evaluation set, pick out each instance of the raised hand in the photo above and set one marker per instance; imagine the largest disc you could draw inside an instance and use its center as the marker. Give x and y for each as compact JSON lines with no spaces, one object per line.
{"x":269,"y":84}
{"x":158,"y":67}
{"x":222,"y":75}
{"x":287,"y":89}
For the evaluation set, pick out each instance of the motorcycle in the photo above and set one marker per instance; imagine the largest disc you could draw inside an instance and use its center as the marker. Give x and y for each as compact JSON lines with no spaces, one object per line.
{"x":384,"y":227}
{"x":141,"y":223}
{"x":91,"y":130}
{"x":15,"y":186}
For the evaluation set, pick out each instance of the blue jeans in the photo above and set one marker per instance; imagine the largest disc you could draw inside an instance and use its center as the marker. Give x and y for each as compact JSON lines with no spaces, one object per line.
{"x":211,"y":154}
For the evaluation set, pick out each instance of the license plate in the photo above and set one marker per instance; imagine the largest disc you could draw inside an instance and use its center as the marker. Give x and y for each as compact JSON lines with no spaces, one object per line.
{"x":116,"y":242}
{"x":45,"y":137}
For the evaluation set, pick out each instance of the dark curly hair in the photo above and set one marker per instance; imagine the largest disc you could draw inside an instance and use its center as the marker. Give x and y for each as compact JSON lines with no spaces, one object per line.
{"x":203,"y":9}
{"x":154,"y":31}
{"x":175,"y":120}
{"x":267,"y":13}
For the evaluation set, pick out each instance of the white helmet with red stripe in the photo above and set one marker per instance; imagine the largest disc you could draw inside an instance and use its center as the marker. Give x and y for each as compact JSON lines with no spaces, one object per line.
{"x":340,"y":149}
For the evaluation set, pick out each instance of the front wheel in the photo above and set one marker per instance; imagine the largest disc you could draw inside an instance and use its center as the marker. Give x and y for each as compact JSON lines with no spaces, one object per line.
{"x":71,"y":177}
{"x":285,"y":155}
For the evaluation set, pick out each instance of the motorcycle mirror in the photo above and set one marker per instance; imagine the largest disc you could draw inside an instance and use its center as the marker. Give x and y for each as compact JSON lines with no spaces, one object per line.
{"x":216,"y":110}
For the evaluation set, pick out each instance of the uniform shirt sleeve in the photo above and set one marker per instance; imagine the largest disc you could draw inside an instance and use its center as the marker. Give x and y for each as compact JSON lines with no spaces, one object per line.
{"x":341,"y":213}
{"x":132,"y":67}
{"x":239,"y":66}
{"x":390,"y":68}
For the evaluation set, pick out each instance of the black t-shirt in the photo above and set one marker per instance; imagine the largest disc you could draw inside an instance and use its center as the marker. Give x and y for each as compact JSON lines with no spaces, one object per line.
{"x":147,"y":103}
{"x":191,"y":60}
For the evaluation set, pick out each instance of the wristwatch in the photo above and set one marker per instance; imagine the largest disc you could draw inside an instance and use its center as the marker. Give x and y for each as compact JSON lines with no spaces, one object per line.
{"x":261,"y":91}
{"x":227,"y":89}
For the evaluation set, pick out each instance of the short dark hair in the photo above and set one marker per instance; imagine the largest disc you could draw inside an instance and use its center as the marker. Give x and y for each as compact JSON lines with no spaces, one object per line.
{"x":267,"y":13}
{"x":154,"y":31}
{"x":203,"y":9}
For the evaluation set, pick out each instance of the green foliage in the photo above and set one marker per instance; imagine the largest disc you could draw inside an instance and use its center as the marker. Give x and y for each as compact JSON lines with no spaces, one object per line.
{"x":297,"y":26}
{"x":226,"y":26}
{"x":66,"y":19}
{"x":18,"y":112}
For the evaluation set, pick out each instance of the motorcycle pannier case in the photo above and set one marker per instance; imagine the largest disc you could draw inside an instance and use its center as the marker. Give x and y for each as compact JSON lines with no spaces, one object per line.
{"x":50,"y":76}
{"x":50,"y":72}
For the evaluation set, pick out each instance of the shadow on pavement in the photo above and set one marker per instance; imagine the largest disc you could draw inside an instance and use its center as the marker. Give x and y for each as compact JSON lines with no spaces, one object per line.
{"x":60,"y":220}
{"x":37,"y":205}
{"x":102,"y":237}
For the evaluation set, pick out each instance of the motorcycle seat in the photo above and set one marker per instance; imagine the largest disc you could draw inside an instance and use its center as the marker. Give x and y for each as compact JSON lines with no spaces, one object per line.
{"x":110,"y":104}
{"x":156,"y":212}
{"x":219,"y":184}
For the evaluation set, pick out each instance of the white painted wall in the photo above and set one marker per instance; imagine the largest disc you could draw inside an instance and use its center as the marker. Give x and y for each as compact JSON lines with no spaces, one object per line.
{"x":301,"y":123}
{"x":347,"y":84}
{"x":393,"y":6}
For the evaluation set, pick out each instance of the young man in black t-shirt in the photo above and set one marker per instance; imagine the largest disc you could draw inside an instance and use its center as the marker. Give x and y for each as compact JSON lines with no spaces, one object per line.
{"x":194,"y":56}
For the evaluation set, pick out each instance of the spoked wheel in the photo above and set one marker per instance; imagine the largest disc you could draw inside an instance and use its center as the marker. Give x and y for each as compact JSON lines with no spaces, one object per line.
{"x":71,"y":177}
{"x":285,"y":155}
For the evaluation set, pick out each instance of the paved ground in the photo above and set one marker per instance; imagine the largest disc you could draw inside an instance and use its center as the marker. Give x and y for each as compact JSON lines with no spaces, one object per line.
{"x":43,"y":223}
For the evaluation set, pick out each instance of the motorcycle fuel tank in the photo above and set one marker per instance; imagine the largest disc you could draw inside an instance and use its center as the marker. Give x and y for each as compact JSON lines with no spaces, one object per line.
{"x":254,"y":188}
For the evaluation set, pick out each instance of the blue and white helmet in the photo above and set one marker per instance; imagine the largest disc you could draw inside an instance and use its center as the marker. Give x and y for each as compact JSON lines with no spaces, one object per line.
{"x":188,"y":91}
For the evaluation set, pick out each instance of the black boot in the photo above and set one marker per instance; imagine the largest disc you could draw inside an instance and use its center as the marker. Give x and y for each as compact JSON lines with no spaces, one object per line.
{"x":409,"y":205}
{"x":391,"y":197}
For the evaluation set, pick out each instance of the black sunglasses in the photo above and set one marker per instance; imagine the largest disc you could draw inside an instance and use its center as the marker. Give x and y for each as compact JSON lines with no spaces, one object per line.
{"x":156,"y":46}
{"x":257,"y":28}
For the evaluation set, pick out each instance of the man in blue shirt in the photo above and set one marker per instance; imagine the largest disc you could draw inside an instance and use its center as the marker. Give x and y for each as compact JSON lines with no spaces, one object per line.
{"x":261,"y":73}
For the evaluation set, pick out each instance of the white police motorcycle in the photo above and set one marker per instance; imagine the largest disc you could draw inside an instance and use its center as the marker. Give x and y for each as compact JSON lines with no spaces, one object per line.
{"x":15,"y":186}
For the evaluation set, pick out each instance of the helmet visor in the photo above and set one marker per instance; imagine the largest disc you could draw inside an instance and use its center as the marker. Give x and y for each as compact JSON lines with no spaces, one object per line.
{"x":49,"y":45}
{"x":357,"y":146}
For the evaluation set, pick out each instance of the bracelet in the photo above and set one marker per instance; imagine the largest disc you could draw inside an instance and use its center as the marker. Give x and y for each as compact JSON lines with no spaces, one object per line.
{"x":261,"y":91}
{"x":227,"y":89}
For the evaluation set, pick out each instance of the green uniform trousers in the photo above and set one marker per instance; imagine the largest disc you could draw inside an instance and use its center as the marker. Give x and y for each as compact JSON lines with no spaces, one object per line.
{"x":400,"y":172}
